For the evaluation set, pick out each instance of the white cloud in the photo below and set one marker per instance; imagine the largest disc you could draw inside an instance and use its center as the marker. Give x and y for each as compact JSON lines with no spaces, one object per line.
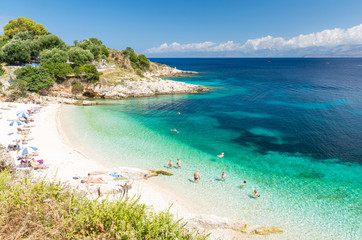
{"x":325,"y":38}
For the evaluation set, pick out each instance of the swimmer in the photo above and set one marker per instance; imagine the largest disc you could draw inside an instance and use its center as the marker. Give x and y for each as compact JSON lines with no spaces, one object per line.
{"x":221,"y":155}
{"x":244,"y":184}
{"x":178,"y":163}
{"x":256,"y":194}
{"x":170,"y":163}
{"x":174,"y":130}
{"x":179,"y":113}
{"x":223,"y":176}
{"x":197,"y":176}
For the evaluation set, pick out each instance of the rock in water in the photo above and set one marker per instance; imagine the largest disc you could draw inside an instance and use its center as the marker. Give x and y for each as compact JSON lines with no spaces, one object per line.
{"x":267,"y":230}
{"x":6,"y":161}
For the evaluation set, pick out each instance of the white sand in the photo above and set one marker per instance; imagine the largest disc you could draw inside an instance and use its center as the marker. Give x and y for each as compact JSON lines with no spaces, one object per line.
{"x":65,"y":162}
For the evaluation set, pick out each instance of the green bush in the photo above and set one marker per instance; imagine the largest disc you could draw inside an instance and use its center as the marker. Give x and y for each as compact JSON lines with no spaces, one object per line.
{"x":79,"y":56}
{"x":54,"y":55}
{"x":87,"y":72}
{"x":77,"y":87}
{"x":58,"y":70}
{"x":20,"y":89}
{"x":52,"y":210}
{"x":37,"y":78}
{"x":104,"y":51}
{"x":144,"y":63}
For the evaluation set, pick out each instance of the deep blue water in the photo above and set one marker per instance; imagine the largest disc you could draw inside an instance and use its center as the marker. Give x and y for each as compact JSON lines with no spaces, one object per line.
{"x":312,"y":106}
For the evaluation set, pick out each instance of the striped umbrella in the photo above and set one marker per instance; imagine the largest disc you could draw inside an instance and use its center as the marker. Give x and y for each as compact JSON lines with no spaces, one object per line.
{"x":15,"y":123}
{"x":22,"y":113}
{"x":27,"y":151}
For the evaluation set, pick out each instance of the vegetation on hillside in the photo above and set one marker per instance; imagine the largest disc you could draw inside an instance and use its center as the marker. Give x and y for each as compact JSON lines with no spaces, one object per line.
{"x":38,"y":209}
{"x":28,"y":43}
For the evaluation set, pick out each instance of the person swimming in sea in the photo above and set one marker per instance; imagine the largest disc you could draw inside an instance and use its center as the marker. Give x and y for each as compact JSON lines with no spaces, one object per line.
{"x":221,"y":155}
{"x":178,"y":163}
{"x":174,"y":130}
{"x":197,"y":176}
{"x":244,"y":184}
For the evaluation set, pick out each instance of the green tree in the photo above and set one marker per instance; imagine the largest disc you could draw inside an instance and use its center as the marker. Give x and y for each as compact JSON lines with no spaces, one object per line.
{"x":87,"y":72}
{"x":24,"y":25}
{"x":54,"y":55}
{"x":48,"y":41}
{"x":92,"y":45}
{"x":134,"y":59}
{"x":79,"y":56}
{"x":16,"y":51}
{"x":104,"y":51}
{"x":144,"y":63}
{"x":37,"y":78}
{"x":129,"y":49}
{"x":58,"y":69}
{"x":22,"y":36}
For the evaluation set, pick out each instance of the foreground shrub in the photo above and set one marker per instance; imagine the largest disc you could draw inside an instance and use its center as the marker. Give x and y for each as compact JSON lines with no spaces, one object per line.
{"x":42,"y":210}
{"x":37,"y":78}
{"x":58,"y":70}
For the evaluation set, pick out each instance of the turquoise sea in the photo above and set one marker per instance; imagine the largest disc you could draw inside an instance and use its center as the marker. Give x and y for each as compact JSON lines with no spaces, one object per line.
{"x":292,"y":128}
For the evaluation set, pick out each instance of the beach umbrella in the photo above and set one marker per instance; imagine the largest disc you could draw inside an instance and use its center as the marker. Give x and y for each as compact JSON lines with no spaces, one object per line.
{"x":27,"y":151}
{"x":15,"y":123}
{"x":22,"y":113}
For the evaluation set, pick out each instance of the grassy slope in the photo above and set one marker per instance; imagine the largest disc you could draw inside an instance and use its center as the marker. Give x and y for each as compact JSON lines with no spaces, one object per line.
{"x":31,"y":209}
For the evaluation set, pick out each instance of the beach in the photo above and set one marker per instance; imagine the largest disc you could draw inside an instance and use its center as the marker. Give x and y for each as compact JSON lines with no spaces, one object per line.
{"x":66,"y":162}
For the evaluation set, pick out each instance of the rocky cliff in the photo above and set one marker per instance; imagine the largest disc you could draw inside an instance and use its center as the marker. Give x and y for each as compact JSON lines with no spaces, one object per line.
{"x":123,"y":89}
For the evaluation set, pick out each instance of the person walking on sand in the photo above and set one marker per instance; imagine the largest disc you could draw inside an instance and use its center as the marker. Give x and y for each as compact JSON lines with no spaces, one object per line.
{"x":256,"y":194}
{"x":170,"y":163}
{"x":197,"y":176}
{"x":221,"y":155}
{"x":178,"y":163}
{"x":223,"y":176}
{"x":244,"y":184}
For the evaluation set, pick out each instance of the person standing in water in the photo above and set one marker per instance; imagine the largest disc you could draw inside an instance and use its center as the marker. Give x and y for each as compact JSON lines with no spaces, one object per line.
{"x":223,"y":176}
{"x":244,"y":184}
{"x":178,"y":163}
{"x":256,"y":194}
{"x":170,"y":163}
{"x":197,"y":176}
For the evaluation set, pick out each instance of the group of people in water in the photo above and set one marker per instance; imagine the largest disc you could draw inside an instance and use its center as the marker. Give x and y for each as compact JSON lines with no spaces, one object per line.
{"x":223,"y":176}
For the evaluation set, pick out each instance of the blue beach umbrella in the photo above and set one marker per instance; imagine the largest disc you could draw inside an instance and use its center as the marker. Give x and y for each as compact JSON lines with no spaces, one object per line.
{"x":15,"y":123}
{"x":27,"y":151}
{"x":22,"y":113}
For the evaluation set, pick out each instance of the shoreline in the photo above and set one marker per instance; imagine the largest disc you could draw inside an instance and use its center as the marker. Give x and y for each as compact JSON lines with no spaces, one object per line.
{"x":66,"y":161}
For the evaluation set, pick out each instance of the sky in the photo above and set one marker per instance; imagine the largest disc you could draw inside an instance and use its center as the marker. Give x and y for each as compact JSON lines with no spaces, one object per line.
{"x":198,"y":28}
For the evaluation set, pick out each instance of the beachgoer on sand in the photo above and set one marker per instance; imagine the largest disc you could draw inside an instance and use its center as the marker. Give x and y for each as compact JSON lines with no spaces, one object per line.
{"x":178,"y":163}
{"x":197,"y":176}
{"x":170,"y":163}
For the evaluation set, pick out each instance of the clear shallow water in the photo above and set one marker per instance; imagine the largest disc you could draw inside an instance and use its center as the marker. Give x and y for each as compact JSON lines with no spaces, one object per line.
{"x":290,"y":127}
